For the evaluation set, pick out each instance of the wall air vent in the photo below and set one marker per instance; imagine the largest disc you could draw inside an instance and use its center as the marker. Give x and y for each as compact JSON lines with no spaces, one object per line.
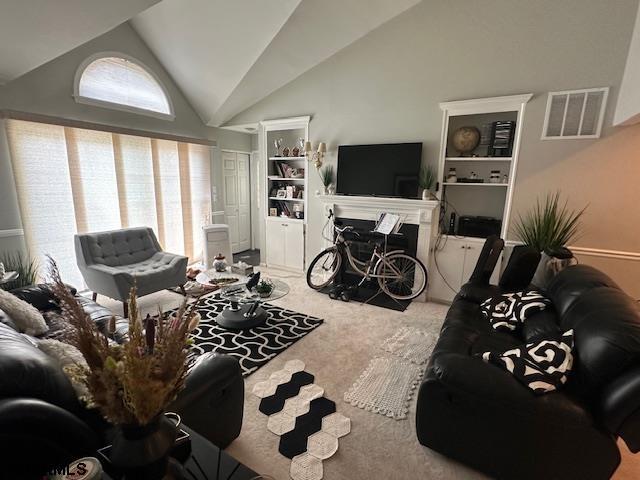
{"x":574,"y":114}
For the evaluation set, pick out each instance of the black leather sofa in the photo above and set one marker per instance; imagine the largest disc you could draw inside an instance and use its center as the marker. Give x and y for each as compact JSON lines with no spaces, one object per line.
{"x":480,"y":415}
{"x":42,"y":424}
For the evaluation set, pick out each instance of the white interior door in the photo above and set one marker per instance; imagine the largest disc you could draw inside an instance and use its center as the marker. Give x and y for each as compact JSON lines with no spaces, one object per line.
{"x":244,"y":202}
{"x":231,"y":204}
{"x":237,"y":199}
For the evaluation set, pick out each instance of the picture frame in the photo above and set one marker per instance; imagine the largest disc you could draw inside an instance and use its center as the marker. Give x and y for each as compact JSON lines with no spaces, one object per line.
{"x":281,"y":193}
{"x":273,"y":212}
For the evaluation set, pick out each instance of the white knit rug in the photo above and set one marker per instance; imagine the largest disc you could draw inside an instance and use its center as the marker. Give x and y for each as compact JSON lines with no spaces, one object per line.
{"x":411,"y":344}
{"x":388,"y":383}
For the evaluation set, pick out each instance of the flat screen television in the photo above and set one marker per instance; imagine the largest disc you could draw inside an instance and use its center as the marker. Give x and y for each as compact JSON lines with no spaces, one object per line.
{"x":385,"y":170}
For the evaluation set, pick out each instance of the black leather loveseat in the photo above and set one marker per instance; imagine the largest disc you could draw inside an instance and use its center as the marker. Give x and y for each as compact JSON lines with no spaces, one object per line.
{"x":42,"y":424}
{"x":480,"y":415}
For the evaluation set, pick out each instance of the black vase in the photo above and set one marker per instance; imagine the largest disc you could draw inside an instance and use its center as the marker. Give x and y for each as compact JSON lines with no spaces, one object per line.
{"x":141,"y":452}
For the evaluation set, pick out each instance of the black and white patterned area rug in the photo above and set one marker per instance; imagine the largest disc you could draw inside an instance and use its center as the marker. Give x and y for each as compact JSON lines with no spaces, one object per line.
{"x":252,"y":347}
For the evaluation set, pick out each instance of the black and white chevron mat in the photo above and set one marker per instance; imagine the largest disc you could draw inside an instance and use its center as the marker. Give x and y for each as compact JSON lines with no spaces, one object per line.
{"x":252,"y":347}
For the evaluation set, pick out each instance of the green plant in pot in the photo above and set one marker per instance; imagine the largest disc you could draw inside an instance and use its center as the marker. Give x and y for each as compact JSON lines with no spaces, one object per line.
{"x":264,"y":288}
{"x":132,"y":384}
{"x":549,"y":227}
{"x":326,"y":175}
{"x":24,"y":265}
{"x":427,"y":181}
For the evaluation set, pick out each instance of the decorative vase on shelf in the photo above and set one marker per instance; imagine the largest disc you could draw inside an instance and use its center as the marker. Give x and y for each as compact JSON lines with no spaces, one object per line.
{"x":141,"y":452}
{"x":426,"y":194}
{"x":331,"y":189}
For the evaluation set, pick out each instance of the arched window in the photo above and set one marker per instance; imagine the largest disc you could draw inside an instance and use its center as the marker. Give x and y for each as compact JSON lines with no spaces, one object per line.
{"x":117,"y":81}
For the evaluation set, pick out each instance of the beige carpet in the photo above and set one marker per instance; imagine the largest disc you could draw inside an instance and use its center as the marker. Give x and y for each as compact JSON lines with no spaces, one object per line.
{"x":336,"y":353}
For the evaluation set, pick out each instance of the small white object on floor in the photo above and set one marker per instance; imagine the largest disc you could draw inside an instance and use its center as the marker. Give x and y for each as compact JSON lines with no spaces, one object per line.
{"x":306,"y":467}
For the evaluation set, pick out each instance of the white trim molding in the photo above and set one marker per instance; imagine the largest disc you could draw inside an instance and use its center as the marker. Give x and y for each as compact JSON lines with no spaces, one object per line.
{"x":603,"y":253}
{"x":12,"y":232}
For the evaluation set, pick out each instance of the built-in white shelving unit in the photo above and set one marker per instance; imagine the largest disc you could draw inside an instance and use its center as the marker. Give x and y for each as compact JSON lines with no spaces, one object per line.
{"x":454,"y":256}
{"x":285,"y":217}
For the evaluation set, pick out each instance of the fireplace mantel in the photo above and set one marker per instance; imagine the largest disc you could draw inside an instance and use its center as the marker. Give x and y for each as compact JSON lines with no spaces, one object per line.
{"x":369,"y":208}
{"x":416,"y":212}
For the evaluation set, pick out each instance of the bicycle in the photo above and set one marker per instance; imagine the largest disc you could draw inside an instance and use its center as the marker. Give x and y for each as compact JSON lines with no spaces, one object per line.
{"x":399,"y":274}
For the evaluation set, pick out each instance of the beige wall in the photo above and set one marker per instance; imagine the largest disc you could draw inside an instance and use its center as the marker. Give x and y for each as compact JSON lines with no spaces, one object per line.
{"x":48,"y":90}
{"x":386,"y":88}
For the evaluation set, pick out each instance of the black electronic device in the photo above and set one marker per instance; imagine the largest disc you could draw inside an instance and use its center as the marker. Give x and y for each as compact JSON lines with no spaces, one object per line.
{"x":386,"y":170}
{"x":481,"y":227}
{"x":502,"y":134}
{"x":452,"y":223}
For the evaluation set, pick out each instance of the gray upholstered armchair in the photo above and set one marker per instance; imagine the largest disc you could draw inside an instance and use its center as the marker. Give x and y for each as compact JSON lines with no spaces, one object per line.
{"x":112,"y":261}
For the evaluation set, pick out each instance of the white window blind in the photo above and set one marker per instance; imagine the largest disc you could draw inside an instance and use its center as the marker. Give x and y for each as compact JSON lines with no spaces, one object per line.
{"x":121,"y":81}
{"x":73,"y":180}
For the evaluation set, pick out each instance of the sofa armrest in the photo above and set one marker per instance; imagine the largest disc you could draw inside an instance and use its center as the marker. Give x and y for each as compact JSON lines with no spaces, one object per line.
{"x":212,"y":401}
{"x":36,"y":436}
{"x":620,"y":408}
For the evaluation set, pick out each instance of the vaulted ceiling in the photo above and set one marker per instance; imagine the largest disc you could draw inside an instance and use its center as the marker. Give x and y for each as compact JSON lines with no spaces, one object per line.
{"x":225,"y":55}
{"x":32,"y":32}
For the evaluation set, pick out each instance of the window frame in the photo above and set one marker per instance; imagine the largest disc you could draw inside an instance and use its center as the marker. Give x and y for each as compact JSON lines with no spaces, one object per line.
{"x":120,"y":106}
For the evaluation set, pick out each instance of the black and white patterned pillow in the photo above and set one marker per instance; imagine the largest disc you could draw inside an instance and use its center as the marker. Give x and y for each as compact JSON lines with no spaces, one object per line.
{"x":542,"y":366}
{"x":506,"y":312}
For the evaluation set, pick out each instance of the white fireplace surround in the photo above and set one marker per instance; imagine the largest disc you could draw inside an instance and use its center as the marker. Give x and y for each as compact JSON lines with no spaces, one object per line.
{"x":415,"y":212}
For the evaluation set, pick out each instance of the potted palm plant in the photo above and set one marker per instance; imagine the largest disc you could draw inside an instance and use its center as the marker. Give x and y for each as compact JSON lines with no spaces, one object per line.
{"x":549,"y":227}
{"x":427,"y":181}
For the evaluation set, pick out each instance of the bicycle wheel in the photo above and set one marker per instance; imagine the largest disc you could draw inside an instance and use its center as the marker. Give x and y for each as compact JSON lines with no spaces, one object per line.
{"x":324,"y":268}
{"x":402,"y":276}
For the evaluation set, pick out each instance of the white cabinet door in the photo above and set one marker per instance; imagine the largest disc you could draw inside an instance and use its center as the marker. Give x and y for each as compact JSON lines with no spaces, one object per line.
{"x":294,"y":246}
{"x":275,"y":233}
{"x":470,"y":259}
{"x":445,"y":277}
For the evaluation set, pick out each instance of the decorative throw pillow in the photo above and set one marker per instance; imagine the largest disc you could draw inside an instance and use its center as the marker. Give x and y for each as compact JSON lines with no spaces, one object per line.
{"x":506,"y":312}
{"x":59,"y":328}
{"x":26,"y":317}
{"x":72,"y":363}
{"x":541,"y":366}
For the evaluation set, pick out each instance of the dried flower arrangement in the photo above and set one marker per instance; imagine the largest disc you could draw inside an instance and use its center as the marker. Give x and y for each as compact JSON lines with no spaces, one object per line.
{"x":132,"y":383}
